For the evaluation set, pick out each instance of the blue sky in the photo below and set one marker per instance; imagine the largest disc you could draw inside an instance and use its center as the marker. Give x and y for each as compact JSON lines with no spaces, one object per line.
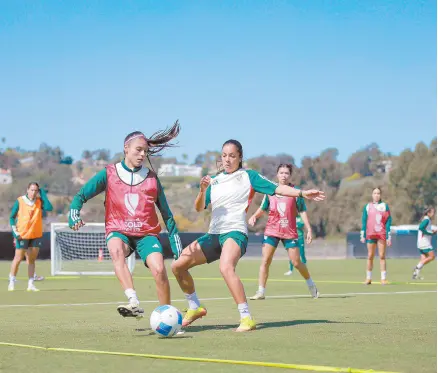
{"x":280,"y":76}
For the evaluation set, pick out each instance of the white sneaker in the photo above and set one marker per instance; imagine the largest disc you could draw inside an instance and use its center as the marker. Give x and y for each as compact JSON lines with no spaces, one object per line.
{"x":258,"y":296}
{"x":38,"y":278}
{"x":11,"y":286}
{"x":32,"y":288}
{"x":314,"y":291}
{"x":131,"y":310}
{"x":288,"y":273}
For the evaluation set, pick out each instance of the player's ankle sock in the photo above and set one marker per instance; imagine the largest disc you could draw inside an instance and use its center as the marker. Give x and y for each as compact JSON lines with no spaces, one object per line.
{"x":419,"y":266}
{"x":310,"y":282}
{"x":261,"y":290}
{"x":30,"y":283}
{"x":132,"y":296}
{"x":193,"y":301}
{"x":11,"y":278}
{"x":383,"y":275}
{"x":243,"y":310}
{"x":369,"y":275}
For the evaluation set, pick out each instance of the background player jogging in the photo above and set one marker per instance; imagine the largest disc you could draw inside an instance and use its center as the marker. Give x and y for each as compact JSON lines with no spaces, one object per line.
{"x":230,"y":194}
{"x":281,"y":225}
{"x":27,"y":228}
{"x":301,"y":244}
{"x":424,"y":241}
{"x":131,"y":223}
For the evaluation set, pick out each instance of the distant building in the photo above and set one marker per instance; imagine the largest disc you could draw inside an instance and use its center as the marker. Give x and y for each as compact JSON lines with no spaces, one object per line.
{"x":385,"y":166}
{"x":5,"y":176}
{"x":179,"y":170}
{"x":27,"y":162}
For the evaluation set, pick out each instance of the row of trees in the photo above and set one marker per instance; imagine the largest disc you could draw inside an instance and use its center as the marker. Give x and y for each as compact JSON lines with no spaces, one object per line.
{"x":407,"y":187}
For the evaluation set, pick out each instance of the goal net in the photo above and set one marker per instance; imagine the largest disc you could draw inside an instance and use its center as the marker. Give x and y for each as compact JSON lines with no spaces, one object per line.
{"x":83,"y":252}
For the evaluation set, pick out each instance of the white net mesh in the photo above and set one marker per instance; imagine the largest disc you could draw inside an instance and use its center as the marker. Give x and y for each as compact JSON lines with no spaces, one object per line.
{"x":82,"y":252}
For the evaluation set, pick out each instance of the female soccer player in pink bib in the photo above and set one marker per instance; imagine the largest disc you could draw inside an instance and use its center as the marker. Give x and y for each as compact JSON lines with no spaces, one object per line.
{"x":282,"y":226}
{"x":131,"y":224}
{"x":230,"y":194}
{"x":376,"y":232}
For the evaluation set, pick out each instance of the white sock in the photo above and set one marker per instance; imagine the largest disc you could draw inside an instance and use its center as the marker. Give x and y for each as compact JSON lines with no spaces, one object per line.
{"x":243,"y":310}
{"x":30,"y":283}
{"x":310,"y":282}
{"x":383,"y":275}
{"x":132,"y":296}
{"x":193,"y":301}
{"x":369,"y":275}
{"x":419,"y":266}
{"x":11,"y":278}
{"x":261,"y":290}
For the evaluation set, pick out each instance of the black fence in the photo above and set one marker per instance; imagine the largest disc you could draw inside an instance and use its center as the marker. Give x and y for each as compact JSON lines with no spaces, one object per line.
{"x":404,"y":245}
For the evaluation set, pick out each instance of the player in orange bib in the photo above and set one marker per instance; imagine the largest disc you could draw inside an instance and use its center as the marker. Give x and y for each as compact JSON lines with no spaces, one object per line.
{"x":27,"y":228}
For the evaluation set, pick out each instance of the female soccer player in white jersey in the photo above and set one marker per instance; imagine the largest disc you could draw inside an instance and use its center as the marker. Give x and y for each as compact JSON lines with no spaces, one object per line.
{"x":376,"y":232}
{"x":424,"y":241}
{"x":282,"y":225}
{"x":131,"y":223}
{"x":27,"y":228}
{"x":230,"y":194}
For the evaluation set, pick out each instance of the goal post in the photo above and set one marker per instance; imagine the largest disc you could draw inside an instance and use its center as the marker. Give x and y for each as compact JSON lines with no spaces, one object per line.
{"x":82,"y":252}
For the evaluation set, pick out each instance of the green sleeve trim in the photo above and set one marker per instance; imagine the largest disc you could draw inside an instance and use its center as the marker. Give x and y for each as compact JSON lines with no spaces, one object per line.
{"x":166,"y":213}
{"x":364,"y":222}
{"x":265,"y":203}
{"x":14,"y":212}
{"x":46,"y":205}
{"x":261,"y":184}
{"x":300,"y":226}
{"x":423,"y":227}
{"x":208,"y":196}
{"x":388,"y":223}
{"x":301,"y":203}
{"x":94,"y":186}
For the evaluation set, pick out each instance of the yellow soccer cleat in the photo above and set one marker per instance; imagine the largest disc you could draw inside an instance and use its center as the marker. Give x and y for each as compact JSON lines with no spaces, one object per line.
{"x":384,"y":282}
{"x":246,"y":324}
{"x":192,"y":315}
{"x":32,"y":288}
{"x":367,"y":281}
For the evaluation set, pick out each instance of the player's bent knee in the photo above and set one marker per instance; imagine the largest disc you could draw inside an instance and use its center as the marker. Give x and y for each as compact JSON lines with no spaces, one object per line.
{"x":159,"y":271}
{"x":226,"y":270}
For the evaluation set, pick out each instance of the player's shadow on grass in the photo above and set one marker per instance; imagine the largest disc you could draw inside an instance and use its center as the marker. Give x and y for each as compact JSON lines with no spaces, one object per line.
{"x":272,"y":324}
{"x":75,"y":289}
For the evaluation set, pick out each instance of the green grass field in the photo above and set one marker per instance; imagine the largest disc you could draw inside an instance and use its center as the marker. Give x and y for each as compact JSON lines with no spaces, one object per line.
{"x":385,"y":328}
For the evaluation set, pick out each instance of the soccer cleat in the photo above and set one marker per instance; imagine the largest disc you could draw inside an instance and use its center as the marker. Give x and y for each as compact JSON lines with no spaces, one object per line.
{"x":246,"y":324}
{"x":11,"y":286}
{"x":38,"y":278}
{"x":368,"y":281}
{"x":32,"y":288}
{"x":384,"y":281}
{"x":131,"y":310}
{"x":192,"y":315}
{"x":288,"y":273}
{"x":314,"y":291}
{"x":415,"y":274}
{"x":258,"y":296}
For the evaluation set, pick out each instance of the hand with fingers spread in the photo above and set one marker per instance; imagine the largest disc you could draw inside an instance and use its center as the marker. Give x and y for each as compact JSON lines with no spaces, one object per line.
{"x":313,"y":194}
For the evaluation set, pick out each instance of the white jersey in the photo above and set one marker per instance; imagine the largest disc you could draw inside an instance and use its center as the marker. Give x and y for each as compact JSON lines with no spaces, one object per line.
{"x":424,"y":241}
{"x":230,"y":196}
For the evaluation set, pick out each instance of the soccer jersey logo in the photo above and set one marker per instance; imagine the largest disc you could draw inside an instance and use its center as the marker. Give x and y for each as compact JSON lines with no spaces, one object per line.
{"x":378,"y":226}
{"x":131,"y":202}
{"x":281,"y":208}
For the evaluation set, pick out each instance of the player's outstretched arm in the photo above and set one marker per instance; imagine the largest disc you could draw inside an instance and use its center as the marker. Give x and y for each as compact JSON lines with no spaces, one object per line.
{"x":166,"y":213}
{"x":93,"y":187}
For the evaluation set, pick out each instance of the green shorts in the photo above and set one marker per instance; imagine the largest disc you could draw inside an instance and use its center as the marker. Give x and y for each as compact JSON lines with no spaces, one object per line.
{"x":143,"y":245}
{"x":372,"y":241}
{"x":24,"y":244}
{"x":287,"y":243}
{"x":211,"y":244}
{"x":426,"y":251}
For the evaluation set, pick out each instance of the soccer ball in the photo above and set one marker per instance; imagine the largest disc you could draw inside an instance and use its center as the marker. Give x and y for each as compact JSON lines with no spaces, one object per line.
{"x":166,"y":321}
